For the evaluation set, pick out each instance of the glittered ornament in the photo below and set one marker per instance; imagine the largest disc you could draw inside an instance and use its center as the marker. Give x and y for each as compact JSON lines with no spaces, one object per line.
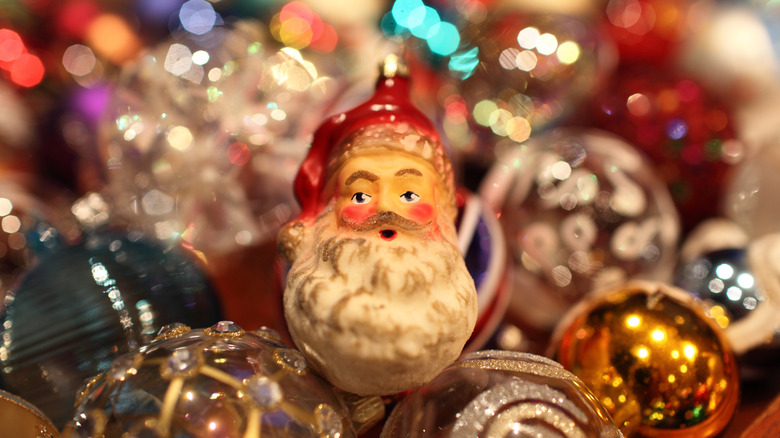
{"x":204,"y":133}
{"x":81,"y":305}
{"x":221,"y":381}
{"x":685,"y":130}
{"x":581,"y":209}
{"x":501,"y":393}
{"x":650,"y":354}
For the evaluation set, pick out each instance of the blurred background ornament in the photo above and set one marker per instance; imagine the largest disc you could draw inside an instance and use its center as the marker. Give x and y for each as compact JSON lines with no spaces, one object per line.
{"x":752,"y":194}
{"x":658,"y":363}
{"x":650,"y":31}
{"x":33,"y":214}
{"x":205,"y":132}
{"x":83,"y":304}
{"x":685,"y":130}
{"x":216,"y":382}
{"x":580,"y":209}
{"x":501,"y":73}
{"x":481,"y":242}
{"x":20,"y":419}
{"x":500,"y":393}
{"x":739,"y":285}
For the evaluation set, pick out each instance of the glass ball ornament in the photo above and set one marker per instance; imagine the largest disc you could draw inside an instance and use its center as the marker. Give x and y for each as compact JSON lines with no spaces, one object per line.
{"x":501,"y":393}
{"x":80,"y":305}
{"x":220,"y":381}
{"x":740,"y":288}
{"x":580,"y":209}
{"x":507,"y":72}
{"x":685,"y":130}
{"x":650,"y":354}
{"x":33,"y":215}
{"x":204,"y":133}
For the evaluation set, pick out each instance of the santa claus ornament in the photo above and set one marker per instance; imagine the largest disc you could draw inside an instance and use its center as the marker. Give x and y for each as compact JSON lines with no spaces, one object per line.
{"x":378,"y":297}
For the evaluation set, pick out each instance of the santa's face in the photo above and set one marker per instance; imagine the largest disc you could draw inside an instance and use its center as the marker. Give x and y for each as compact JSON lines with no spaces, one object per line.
{"x":384,"y":198}
{"x":379,"y":298}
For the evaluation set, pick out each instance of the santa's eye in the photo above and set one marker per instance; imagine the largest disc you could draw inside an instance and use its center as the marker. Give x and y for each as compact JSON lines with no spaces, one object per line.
{"x":361,"y":198}
{"x":410,"y":197}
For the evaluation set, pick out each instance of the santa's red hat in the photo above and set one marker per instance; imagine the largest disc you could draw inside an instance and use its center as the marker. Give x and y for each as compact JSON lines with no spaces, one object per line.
{"x":388,"y":120}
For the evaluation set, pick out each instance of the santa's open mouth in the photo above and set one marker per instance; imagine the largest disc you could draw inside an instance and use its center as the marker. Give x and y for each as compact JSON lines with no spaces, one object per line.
{"x":388,"y":234}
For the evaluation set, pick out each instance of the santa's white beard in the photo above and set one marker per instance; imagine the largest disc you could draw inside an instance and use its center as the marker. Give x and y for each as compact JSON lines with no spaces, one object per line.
{"x":378,"y":317}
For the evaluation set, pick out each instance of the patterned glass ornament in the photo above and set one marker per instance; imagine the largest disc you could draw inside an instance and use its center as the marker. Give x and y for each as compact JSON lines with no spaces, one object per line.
{"x":659,"y":364}
{"x":81,"y":305}
{"x":204,"y":135}
{"x":501,"y":393}
{"x":581,"y":210}
{"x":221,"y":381}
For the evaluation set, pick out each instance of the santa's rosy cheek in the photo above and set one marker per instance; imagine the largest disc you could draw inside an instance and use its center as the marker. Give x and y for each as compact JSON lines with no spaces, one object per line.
{"x":420,"y":212}
{"x":355,"y":213}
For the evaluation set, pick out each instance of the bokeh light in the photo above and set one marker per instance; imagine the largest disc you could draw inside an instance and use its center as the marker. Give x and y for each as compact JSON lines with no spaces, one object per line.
{"x":197,"y":16}
{"x":111,"y":37}
{"x":297,"y":26}
{"x":27,"y":70}
{"x":11,"y":45}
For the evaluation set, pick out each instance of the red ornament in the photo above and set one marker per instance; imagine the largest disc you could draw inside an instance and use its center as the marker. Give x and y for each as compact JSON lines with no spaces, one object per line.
{"x":686,"y":132}
{"x":647,"y":30}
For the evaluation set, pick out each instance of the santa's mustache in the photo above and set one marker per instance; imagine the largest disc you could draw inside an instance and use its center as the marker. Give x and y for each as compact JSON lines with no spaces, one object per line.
{"x":388,"y":218}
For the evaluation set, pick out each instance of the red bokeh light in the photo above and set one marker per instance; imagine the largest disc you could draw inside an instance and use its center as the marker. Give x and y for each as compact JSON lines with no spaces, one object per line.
{"x":238,"y":153}
{"x":11,"y":45}
{"x":27,"y":70}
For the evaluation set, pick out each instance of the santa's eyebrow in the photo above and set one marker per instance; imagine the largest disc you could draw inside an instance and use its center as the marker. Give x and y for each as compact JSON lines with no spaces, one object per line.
{"x":409,"y":171}
{"x":364,"y":174}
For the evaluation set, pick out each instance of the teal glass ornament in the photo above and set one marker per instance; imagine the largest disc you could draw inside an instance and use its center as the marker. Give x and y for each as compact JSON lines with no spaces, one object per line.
{"x":82,"y":305}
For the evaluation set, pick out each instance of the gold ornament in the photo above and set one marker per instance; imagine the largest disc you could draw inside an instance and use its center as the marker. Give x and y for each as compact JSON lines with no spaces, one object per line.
{"x":657,"y":363}
{"x":20,"y":419}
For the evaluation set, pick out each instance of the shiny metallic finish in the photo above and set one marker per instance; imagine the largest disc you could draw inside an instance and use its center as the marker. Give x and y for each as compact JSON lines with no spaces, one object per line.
{"x":659,"y":365}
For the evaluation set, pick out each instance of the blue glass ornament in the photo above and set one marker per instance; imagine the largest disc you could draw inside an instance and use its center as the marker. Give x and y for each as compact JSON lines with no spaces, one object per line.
{"x":82,"y":305}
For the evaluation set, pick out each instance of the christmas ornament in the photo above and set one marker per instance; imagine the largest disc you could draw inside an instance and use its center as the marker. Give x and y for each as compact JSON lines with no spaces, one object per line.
{"x":501,"y":393}
{"x":33,"y":215}
{"x":648,"y":31}
{"x":751,"y":192}
{"x":205,"y":132}
{"x":510,"y":72}
{"x":581,"y":209}
{"x":739,"y":286}
{"x":481,"y":242}
{"x":20,"y":419}
{"x":687,"y":133}
{"x":81,"y":305}
{"x":650,"y":354}
{"x":378,"y":297}
{"x":216,"y":382}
